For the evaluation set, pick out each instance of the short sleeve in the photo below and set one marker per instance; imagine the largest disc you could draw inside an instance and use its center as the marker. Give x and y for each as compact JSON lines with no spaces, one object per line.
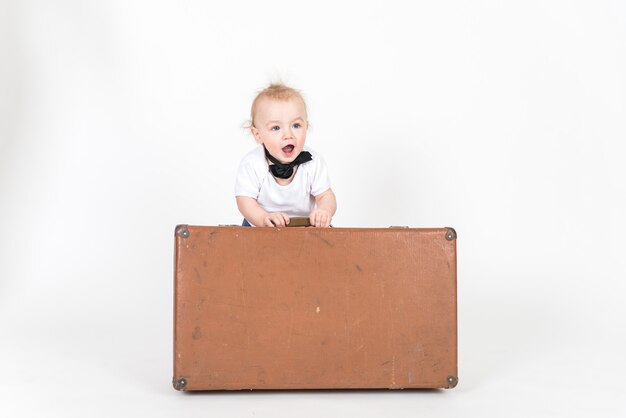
{"x":321,"y":180}
{"x":247,"y":182}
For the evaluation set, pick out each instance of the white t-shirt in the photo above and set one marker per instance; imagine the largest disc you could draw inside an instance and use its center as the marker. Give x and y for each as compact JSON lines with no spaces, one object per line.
{"x":297,"y":198}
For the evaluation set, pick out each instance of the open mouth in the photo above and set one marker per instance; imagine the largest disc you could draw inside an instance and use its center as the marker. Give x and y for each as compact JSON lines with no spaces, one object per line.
{"x":288,"y":149}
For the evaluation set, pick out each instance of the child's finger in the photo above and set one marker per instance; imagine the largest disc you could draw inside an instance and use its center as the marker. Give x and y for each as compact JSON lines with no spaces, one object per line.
{"x":277,"y":221}
{"x":285,"y":217}
{"x":320,"y":219}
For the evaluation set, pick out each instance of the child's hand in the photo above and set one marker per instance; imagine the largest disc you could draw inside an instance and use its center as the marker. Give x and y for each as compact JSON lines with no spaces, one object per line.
{"x":276,"y":219}
{"x":320,"y":218}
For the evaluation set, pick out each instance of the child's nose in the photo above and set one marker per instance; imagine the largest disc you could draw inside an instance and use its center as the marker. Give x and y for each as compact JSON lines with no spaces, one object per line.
{"x":287,"y":133}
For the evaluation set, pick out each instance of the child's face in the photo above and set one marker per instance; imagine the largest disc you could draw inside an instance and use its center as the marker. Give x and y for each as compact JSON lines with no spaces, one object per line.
{"x":281,"y":126}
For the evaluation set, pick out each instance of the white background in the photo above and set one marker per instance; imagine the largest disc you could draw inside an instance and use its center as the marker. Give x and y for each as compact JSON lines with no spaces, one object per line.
{"x":505,"y":120}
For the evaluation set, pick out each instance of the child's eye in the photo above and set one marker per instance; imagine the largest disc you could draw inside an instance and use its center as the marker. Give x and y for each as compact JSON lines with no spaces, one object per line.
{"x":275,"y":128}
{"x":297,"y":125}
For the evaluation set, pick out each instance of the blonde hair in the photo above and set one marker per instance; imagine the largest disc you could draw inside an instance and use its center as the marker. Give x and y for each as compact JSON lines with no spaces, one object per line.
{"x":275,"y":91}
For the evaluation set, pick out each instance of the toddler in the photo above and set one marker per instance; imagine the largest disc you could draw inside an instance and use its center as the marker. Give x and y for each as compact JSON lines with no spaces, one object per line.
{"x":281,"y":177}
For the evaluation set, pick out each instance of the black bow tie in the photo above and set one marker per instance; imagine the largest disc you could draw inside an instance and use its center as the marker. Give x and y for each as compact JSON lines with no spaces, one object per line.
{"x":284,"y":171}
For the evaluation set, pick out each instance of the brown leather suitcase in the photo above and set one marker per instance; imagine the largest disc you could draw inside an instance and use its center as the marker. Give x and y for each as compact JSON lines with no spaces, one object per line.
{"x":314,"y":308}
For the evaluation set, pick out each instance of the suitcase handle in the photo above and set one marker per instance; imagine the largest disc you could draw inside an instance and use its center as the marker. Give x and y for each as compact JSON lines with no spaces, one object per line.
{"x":298,"y":222}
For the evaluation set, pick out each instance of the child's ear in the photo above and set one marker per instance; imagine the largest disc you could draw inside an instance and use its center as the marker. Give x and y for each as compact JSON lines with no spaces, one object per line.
{"x":256,"y":134}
